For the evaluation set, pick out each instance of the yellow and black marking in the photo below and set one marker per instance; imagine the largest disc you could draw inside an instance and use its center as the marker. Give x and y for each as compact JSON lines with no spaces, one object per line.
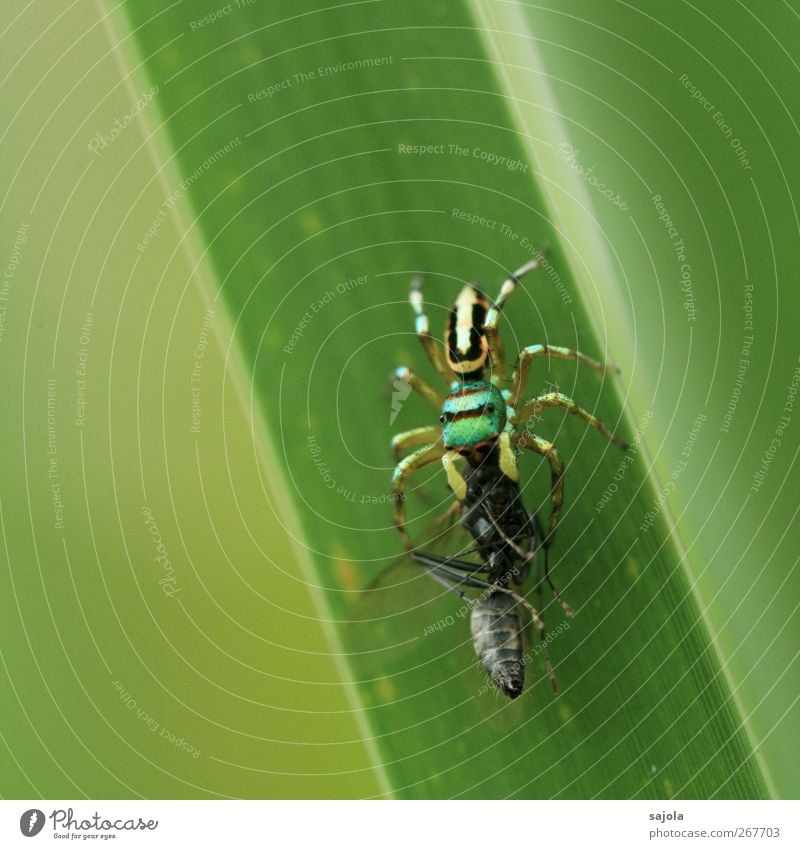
{"x":467,"y":348}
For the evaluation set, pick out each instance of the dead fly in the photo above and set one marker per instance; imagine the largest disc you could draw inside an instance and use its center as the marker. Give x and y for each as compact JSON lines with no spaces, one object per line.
{"x":507,"y":542}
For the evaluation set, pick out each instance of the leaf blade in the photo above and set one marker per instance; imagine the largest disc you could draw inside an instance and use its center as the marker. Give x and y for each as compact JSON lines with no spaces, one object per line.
{"x":327,"y":207}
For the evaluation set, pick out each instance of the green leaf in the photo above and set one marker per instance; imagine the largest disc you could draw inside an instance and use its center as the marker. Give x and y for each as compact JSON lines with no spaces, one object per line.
{"x":426,"y":159}
{"x":309,"y":160}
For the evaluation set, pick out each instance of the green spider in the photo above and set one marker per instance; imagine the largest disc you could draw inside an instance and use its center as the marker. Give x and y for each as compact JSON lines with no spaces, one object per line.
{"x":479,"y":421}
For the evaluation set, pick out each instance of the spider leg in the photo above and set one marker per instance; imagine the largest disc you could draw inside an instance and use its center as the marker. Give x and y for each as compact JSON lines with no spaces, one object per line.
{"x":551,"y":673}
{"x":520,"y":377}
{"x":556,"y":399}
{"x":433,"y":351}
{"x":524,"y":439}
{"x":493,"y":316}
{"x":404,"y":375}
{"x":406,"y":467}
{"x":401,"y":442}
{"x":556,"y":594}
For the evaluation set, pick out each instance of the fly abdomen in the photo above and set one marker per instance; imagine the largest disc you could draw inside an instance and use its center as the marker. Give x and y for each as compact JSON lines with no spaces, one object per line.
{"x":497,"y":637}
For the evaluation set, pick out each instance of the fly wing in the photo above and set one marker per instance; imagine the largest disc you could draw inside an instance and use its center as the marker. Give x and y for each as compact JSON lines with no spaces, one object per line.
{"x":403,"y":597}
{"x":404,"y":622}
{"x":406,"y":625}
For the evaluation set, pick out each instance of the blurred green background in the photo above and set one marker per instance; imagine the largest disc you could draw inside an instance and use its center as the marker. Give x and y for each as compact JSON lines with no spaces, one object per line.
{"x":210,"y":219}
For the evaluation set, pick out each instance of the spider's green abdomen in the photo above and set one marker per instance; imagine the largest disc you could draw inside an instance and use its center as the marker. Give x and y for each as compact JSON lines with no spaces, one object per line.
{"x":474,"y":414}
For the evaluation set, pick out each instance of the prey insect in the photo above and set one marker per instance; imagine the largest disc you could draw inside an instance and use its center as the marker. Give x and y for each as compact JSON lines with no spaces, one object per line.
{"x":484,"y":425}
{"x":507,"y":541}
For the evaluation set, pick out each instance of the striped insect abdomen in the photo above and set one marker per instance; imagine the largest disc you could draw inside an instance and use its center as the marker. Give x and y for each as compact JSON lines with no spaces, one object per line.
{"x":497,"y":637}
{"x":467,"y":348}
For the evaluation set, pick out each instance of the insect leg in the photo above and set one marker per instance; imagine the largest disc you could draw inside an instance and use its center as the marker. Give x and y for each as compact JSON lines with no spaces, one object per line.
{"x":453,"y":510}
{"x":520,"y":377}
{"x":530,"y":555}
{"x":546,"y":449}
{"x":493,"y":316}
{"x":465,"y":574}
{"x":433,"y":351}
{"x":407,"y":466}
{"x":556,"y":399}
{"x":401,"y":442}
{"x":454,"y":573}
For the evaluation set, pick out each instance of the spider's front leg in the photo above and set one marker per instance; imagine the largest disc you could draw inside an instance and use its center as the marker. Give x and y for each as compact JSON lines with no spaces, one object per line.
{"x":406,"y":467}
{"x":522,"y":371}
{"x":433,"y":351}
{"x":493,"y":316}
{"x":556,"y":399}
{"x":404,"y":375}
{"x":525,"y":439}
